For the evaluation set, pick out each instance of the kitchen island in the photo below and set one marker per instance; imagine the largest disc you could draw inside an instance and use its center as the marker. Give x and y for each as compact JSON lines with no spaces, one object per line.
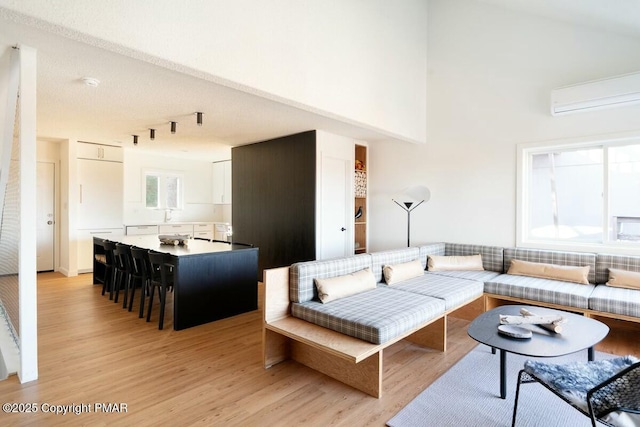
{"x":212,"y":280}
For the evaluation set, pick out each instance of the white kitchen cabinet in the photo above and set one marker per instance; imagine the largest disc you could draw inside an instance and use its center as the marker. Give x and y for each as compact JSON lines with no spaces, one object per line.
{"x":176,"y":229}
{"x":222,"y":182}
{"x":85,"y":246}
{"x":107,"y":153}
{"x":100,"y":194}
{"x":203,"y":230}
{"x":141,"y":230}
{"x":100,"y":198}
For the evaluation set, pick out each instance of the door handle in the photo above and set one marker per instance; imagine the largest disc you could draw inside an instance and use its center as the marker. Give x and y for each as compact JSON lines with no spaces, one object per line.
{"x":343,"y":229}
{"x":49,"y":222}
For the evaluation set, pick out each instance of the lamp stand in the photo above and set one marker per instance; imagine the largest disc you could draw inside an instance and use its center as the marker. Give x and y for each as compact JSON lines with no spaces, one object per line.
{"x":408,"y":207}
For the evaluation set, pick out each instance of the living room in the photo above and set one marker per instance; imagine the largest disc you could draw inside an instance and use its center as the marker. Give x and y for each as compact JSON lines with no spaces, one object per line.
{"x":487,"y":72}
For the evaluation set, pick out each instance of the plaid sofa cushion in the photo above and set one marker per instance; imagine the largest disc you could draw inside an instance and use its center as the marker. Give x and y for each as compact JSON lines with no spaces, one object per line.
{"x":376,"y":316}
{"x":454,"y":291}
{"x":605,"y":261}
{"x":482,"y":276}
{"x":397,"y":256}
{"x":542,"y":290}
{"x":577,"y":259}
{"x":430,"y":249}
{"x":615,"y":300}
{"x":492,"y":256}
{"x":301,"y":274}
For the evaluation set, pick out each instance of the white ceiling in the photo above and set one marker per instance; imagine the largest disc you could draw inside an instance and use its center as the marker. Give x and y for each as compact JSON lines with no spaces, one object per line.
{"x":618,"y":16}
{"x":135,"y":95}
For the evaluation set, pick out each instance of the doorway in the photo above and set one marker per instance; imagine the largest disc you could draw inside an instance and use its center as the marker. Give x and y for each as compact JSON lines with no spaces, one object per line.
{"x":335,"y":205}
{"x":45,"y":218}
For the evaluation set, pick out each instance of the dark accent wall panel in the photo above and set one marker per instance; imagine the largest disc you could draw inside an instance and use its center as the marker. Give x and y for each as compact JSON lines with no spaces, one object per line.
{"x":274,"y":195}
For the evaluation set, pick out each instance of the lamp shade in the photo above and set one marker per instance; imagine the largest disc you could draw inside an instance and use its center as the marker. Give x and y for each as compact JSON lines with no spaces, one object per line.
{"x":415,"y":194}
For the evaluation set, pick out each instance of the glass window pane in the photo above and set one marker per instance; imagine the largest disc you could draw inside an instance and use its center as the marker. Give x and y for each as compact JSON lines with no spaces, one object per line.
{"x":172,"y":184}
{"x":624,"y":192}
{"x":565,"y":197}
{"x":151,"y":191}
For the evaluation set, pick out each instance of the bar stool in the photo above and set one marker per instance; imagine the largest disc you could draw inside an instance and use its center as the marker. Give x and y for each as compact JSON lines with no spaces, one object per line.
{"x":123,"y":271}
{"x":161,"y":277}
{"x":109,"y":265}
{"x":139,"y":274}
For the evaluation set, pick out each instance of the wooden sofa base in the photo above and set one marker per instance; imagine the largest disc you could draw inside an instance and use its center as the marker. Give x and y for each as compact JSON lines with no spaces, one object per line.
{"x":492,"y":301}
{"x":347,"y":359}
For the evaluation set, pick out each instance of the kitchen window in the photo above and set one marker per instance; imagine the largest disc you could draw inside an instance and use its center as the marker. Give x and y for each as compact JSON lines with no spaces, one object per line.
{"x":163,"y":190}
{"x":580,"y":196}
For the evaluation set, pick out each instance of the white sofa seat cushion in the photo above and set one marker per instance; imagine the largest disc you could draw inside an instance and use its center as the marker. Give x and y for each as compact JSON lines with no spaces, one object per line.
{"x":615,"y":300}
{"x":543,"y":290}
{"x":376,"y":316}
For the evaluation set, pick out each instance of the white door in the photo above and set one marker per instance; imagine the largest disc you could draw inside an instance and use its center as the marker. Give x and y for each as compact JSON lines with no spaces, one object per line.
{"x":45,"y":230}
{"x":335,"y":206}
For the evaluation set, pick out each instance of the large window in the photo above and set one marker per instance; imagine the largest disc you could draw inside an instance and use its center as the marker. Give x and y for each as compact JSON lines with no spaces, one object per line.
{"x":577,"y":195}
{"x":163,"y":190}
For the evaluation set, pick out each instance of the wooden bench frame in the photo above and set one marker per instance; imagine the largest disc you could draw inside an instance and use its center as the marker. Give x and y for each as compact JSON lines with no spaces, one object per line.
{"x":347,"y":359}
{"x":492,"y":301}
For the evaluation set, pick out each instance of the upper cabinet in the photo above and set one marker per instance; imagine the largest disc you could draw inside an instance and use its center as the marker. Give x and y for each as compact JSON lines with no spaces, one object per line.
{"x":222,"y":182}
{"x":91,"y":151}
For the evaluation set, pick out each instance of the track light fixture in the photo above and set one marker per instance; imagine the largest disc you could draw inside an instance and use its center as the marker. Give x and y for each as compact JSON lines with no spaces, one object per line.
{"x":152,"y":134}
{"x":199,"y":118}
{"x":173,"y":127}
{"x":135,"y":139}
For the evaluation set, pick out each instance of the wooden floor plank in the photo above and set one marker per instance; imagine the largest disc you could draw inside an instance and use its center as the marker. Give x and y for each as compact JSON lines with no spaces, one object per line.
{"x":92,"y":351}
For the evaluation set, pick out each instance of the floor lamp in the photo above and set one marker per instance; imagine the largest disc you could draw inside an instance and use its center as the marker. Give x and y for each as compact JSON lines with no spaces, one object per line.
{"x":409,"y":200}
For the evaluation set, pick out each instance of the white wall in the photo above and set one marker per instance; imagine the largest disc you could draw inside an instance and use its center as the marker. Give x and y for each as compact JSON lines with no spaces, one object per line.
{"x":360,"y":60}
{"x":198,"y":185}
{"x":489,"y":80}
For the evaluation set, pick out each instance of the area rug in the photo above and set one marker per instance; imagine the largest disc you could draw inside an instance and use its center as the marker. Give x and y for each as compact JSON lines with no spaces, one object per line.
{"x":468,"y":394}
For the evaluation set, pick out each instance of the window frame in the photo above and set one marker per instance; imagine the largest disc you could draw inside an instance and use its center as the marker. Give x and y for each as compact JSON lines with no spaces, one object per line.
{"x":523,"y":170}
{"x":162,"y":189}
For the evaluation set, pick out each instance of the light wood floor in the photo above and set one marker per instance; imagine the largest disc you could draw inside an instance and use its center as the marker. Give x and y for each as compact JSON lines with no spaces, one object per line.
{"x":92,"y":351}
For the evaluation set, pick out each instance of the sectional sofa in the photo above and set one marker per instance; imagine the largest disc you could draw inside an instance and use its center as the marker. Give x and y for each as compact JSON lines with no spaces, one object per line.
{"x":338,"y":315}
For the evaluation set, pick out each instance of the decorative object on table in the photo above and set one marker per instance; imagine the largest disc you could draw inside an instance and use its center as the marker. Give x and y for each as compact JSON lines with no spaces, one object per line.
{"x":515,"y":331}
{"x":174,"y":239}
{"x":552,"y":323}
{"x":410,"y":199}
{"x":359,"y":213}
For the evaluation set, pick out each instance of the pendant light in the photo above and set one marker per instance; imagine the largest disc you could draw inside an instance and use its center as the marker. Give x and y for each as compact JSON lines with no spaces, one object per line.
{"x":152,"y":134}
{"x":173,"y":127}
{"x":199,"y":118}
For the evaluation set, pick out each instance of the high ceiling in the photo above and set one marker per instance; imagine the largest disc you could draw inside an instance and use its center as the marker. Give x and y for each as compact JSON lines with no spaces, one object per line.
{"x":135,"y":95}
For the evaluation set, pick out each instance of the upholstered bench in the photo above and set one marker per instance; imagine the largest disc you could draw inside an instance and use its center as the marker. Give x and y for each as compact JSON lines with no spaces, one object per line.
{"x":344,"y":338}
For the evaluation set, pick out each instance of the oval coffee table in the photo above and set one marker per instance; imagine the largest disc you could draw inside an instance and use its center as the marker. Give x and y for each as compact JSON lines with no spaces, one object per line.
{"x":578,"y":333}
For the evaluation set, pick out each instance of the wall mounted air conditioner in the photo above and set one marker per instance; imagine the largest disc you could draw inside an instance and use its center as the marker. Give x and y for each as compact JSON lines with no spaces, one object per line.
{"x":598,"y":94}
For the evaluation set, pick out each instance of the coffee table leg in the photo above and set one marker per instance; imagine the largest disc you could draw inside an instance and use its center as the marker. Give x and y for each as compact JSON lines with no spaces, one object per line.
{"x":503,"y":374}
{"x":591,"y":354}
